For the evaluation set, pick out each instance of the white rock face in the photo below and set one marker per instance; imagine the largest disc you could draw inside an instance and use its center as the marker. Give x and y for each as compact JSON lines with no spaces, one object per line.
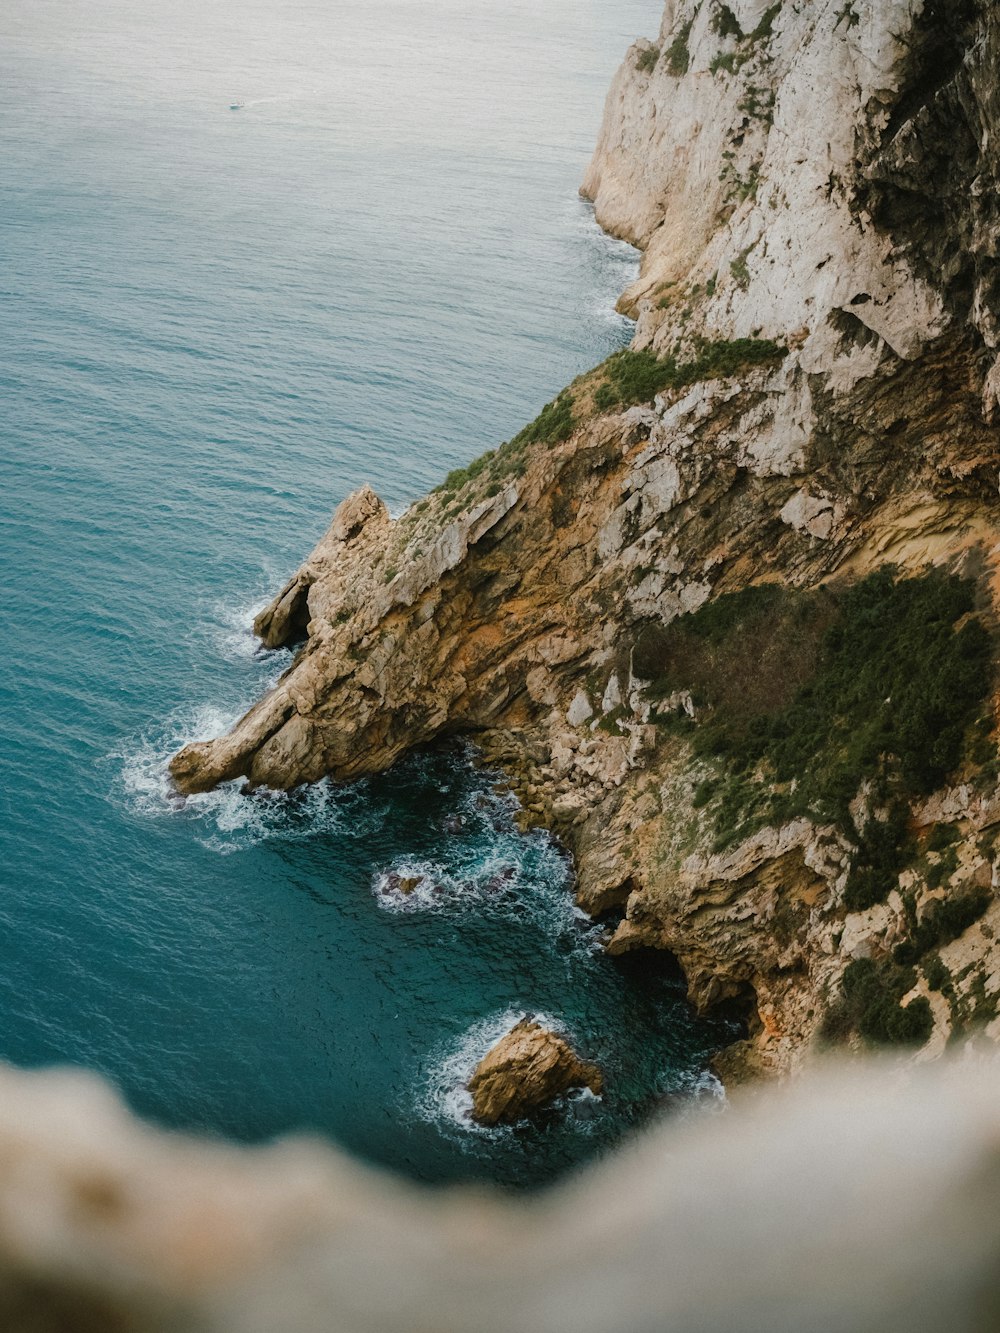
{"x":809,"y":513}
{"x":580,"y":710}
{"x":767,"y":246}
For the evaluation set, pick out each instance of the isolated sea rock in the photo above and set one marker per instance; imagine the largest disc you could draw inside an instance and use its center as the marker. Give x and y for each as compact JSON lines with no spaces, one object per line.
{"x":527,"y":1069}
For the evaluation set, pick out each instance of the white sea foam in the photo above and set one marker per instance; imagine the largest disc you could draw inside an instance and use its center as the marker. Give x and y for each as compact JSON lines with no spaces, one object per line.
{"x":231,"y":817}
{"x":233,"y":637}
{"x":707,"y":1089}
{"x":144,"y":774}
{"x":445,"y":1099}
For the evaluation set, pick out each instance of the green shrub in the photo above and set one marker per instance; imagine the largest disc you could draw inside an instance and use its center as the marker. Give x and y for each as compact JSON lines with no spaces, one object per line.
{"x":765,"y":27}
{"x":647,"y":59}
{"x":804,"y":695}
{"x":553,"y":424}
{"x":942,"y":869}
{"x":678,"y":54}
{"x":461,"y":476}
{"x":942,"y":836}
{"x":739,"y":269}
{"x":936,"y":973}
{"x":728,"y":61}
{"x":637,"y":377}
{"x":884,"y":847}
{"x":724,"y":23}
{"x":871,"y":995}
{"x":943,"y":922}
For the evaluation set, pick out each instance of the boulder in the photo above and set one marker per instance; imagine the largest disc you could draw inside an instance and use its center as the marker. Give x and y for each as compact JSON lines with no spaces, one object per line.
{"x":526,"y":1070}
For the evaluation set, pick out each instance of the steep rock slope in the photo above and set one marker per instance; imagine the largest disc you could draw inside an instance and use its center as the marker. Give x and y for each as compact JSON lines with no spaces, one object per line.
{"x":726,"y":609}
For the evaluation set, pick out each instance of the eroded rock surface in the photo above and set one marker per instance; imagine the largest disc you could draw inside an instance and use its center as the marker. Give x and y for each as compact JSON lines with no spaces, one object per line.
{"x":527,"y":1069}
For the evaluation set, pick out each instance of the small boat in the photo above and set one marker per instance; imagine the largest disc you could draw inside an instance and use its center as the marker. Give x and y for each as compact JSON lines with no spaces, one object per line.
{"x":236,"y":106}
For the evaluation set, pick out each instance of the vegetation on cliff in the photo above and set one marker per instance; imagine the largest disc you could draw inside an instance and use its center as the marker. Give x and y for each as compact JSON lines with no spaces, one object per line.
{"x":637,"y":377}
{"x":870,"y":1005}
{"x":625,"y":379}
{"x":802,"y":697}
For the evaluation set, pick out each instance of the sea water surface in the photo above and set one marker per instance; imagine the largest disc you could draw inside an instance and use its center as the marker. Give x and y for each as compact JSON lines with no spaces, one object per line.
{"x":215,"y":324}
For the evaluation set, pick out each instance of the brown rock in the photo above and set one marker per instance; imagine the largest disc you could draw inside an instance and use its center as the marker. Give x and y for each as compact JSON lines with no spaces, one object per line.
{"x":525,"y":1070}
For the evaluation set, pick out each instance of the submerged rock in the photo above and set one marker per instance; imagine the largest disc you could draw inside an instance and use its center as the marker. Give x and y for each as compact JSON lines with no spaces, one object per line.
{"x":525,"y":1070}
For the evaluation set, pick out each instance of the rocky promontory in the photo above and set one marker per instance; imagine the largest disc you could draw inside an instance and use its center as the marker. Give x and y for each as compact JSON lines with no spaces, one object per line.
{"x":727,"y":609}
{"x":525,"y":1070}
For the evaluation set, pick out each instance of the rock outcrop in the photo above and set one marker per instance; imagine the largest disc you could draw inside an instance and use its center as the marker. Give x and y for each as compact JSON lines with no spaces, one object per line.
{"x":527,"y":1069}
{"x":637,"y":603}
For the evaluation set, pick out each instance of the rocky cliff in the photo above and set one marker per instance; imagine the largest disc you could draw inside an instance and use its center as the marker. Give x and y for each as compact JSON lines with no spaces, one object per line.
{"x":726,"y":610}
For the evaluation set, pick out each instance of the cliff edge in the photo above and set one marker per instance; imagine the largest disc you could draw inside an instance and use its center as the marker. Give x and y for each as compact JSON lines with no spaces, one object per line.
{"x":727,"y":609}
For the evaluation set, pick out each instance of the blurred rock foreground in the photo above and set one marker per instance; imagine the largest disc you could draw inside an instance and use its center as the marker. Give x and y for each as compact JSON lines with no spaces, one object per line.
{"x":864,"y":1198}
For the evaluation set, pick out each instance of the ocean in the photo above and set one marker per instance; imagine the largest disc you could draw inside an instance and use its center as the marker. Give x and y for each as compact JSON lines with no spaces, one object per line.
{"x":216,"y":323}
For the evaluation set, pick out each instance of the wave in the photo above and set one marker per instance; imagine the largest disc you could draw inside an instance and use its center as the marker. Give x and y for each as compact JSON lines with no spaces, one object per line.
{"x":482,"y":862}
{"x":232,"y":636}
{"x":233,"y":817}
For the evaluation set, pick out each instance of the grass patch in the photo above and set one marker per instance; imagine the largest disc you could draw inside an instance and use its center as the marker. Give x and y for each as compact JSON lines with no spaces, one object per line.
{"x":740,"y":270}
{"x":553,"y":424}
{"x":806,"y":694}
{"x":678,"y":53}
{"x":728,"y":61}
{"x":647,"y":60}
{"x":724,"y":24}
{"x":461,"y":476}
{"x":625,"y":378}
{"x":637,"y":377}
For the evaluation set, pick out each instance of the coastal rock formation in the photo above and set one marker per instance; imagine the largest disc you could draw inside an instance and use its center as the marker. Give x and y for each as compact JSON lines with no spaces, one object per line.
{"x":527,"y":1069}
{"x":726,"y":611}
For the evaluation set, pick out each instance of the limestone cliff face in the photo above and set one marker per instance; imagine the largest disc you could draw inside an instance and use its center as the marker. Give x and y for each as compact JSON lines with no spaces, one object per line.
{"x":788,"y":167}
{"x":811,"y":399}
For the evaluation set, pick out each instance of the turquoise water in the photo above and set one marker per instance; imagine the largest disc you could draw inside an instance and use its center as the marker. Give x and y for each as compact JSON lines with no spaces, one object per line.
{"x":215,"y":325}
